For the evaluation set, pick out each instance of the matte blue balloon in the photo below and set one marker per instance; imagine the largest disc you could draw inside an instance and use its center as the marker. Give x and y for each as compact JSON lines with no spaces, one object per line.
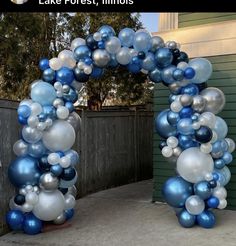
{"x":24,"y":171}
{"x":24,"y":111}
{"x":219,"y":163}
{"x":186,"y":141}
{"x":70,"y":106}
{"x":43,"y":64}
{"x":163,"y":57}
{"x":213,"y":202}
{"x":32,"y":225}
{"x":43,"y":93}
{"x":69,"y":213}
{"x":49,"y":75}
{"x":56,"y":169}
{"x":65,"y":75}
{"x":149,"y":62}
{"x":206,"y":219}
{"x":97,"y":72}
{"x":155,"y":75}
{"x":37,"y":150}
{"x":186,"y":112}
{"x":15,"y":219}
{"x":203,"y":134}
{"x":186,"y":219}
{"x":227,"y":157}
{"x":202,"y":189}
{"x":82,"y":52}
{"x":178,"y":74}
{"x":163,"y":128}
{"x":126,"y":37}
{"x":22,"y":120}
{"x":189,"y":73}
{"x":176,"y":190}
{"x":167,"y":74}
{"x":190,"y":89}
{"x":108,"y":30}
{"x":184,"y":126}
{"x":80,"y":75}
{"x":173,"y":118}
{"x":72,"y":96}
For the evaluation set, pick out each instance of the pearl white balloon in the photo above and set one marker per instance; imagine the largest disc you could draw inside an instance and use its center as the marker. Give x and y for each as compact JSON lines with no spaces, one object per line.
{"x":208,"y":176}
{"x":176,"y":106}
{"x":26,"y":207}
{"x":65,"y":161}
{"x":77,"y":42}
{"x":20,"y":148}
{"x":222,"y":204}
{"x":87,"y":69}
{"x":55,"y":63}
{"x":97,"y":36}
{"x":207,"y":119}
{"x":182,"y":65}
{"x":22,"y":191}
{"x":101,"y":57}
{"x":31,"y":135}
{"x":206,"y":148}
{"x":172,"y":142}
{"x":167,"y":151}
{"x":41,"y":126}
{"x":33,"y":121}
{"x":123,"y":56}
{"x":31,"y":198}
{"x":53,"y":158}
{"x":58,"y":86}
{"x":66,"y":56}
{"x":220,"y":192}
{"x":113,"y":45}
{"x":62,"y":112}
{"x":195,"y":205}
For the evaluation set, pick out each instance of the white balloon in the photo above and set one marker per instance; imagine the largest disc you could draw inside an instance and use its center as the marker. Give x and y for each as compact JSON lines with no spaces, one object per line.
{"x":62,"y":112}
{"x":231,"y":144}
{"x":206,"y":148}
{"x":87,"y":69}
{"x":55,"y":63}
{"x":66,"y":56}
{"x":176,"y":106}
{"x":41,"y":126}
{"x":65,"y":161}
{"x":77,"y":42}
{"x":207,"y":119}
{"x":69,"y":201}
{"x":208,"y":177}
{"x":58,"y":86}
{"x":54,"y":158}
{"x":172,"y":142}
{"x":97,"y":36}
{"x":195,"y":205}
{"x":123,"y":56}
{"x":26,"y":207}
{"x":33,"y":121}
{"x":220,"y":192}
{"x":20,"y":148}
{"x":36,"y":109}
{"x":222,"y":204}
{"x":167,"y":151}
{"x":31,"y":198}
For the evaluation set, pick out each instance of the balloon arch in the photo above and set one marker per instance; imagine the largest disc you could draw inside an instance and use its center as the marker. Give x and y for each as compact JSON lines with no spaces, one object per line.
{"x":44,"y":172}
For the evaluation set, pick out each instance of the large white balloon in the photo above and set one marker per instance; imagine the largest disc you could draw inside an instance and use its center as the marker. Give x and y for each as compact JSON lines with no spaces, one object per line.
{"x":49,"y":206}
{"x":193,"y":165}
{"x":59,"y":137}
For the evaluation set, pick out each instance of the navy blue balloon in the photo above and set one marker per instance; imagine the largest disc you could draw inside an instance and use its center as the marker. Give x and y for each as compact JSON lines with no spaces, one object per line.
{"x":163,"y":128}
{"x":44,"y":64}
{"x":202,"y":189}
{"x":213,"y":202}
{"x":32,"y":225}
{"x":91,"y":43}
{"x":186,"y":219}
{"x":182,"y":57}
{"x":173,"y":118}
{"x":80,"y":75}
{"x":186,"y":141}
{"x":178,"y":74}
{"x":206,"y":219}
{"x":63,"y":190}
{"x":135,"y":65}
{"x":176,"y":190}
{"x":155,"y":75}
{"x":203,"y":134}
{"x":42,"y":117}
{"x":88,"y":61}
{"x":163,"y":57}
{"x":219,"y":163}
{"x":213,"y":183}
{"x":189,"y":73}
{"x":56,"y":169}
{"x":82,"y":52}
{"x":24,"y":111}
{"x":101,"y":44}
{"x":68,"y":173}
{"x":141,"y":55}
{"x":72,"y":96}
{"x":190,"y":89}
{"x":49,"y":75}
{"x":186,"y":112}
{"x":167,"y":74}
{"x":22,"y":120}
{"x":70,"y":106}
{"x":97,"y":72}
{"x":24,"y":171}
{"x":69,"y":213}
{"x":15,"y":219}
{"x":65,"y":75}
{"x":19,"y":199}
{"x":43,"y":164}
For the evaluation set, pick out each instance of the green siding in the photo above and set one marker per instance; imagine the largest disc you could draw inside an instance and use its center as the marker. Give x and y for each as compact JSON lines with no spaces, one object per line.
{"x":223,"y":77}
{"x":193,"y":19}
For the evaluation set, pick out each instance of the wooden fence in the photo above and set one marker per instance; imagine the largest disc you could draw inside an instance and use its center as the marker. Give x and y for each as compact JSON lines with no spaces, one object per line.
{"x":115,"y":148}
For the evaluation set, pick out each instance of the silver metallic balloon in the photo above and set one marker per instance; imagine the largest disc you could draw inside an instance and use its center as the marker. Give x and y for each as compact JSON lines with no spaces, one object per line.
{"x":60,"y":219}
{"x":174,"y":87}
{"x":157,"y":42}
{"x":66,"y":88}
{"x":177,"y":151}
{"x":199,"y":103}
{"x":48,"y":181}
{"x":186,"y":100}
{"x":31,"y":135}
{"x":195,"y":205}
{"x":50,"y":205}
{"x":75,"y":120}
{"x":215,"y":99}
{"x":20,"y":148}
{"x":171,"y":45}
{"x":58,"y":102}
{"x":69,"y":201}
{"x":101,"y":57}
{"x":72,"y":191}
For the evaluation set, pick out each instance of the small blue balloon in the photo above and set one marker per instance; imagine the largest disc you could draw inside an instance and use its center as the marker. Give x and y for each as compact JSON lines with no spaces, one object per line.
{"x":44,"y":64}
{"x":186,"y":219}
{"x":189,"y":73}
{"x":22,"y":120}
{"x":112,"y":63}
{"x":37,"y":150}
{"x":72,"y":96}
{"x":97,"y":72}
{"x":184,"y":126}
{"x":149,"y":62}
{"x":186,"y":112}
{"x":101,"y":44}
{"x":88,"y":61}
{"x":176,"y":190}
{"x":186,"y":141}
{"x":224,"y":175}
{"x":135,"y":65}
{"x":82,"y":52}
{"x":69,"y":213}
{"x":224,"y":145}
{"x":167,"y":74}
{"x":74,"y":157}
{"x":206,"y":219}
{"x":49,"y":75}
{"x":32,"y":225}
{"x":163,"y":57}
{"x":213,"y":202}
{"x":108,"y":30}
{"x":65,"y":75}
{"x":216,"y":147}
{"x":126,"y":37}
{"x":227,"y":157}
{"x":202,"y":189}
{"x":49,"y":112}
{"x":68,"y":173}
{"x":173,"y":118}
{"x":172,"y":98}
{"x":70,"y":106}
{"x":219,"y":163}
{"x":43,"y":164}
{"x":155,"y":75}
{"x":178,"y":74}
{"x":80,"y":75}
{"x":24,"y":111}
{"x":215,"y":176}
{"x":56,"y":169}
{"x":15,"y":219}
{"x":91,"y":42}
{"x":190,"y":89}
{"x":142,"y":41}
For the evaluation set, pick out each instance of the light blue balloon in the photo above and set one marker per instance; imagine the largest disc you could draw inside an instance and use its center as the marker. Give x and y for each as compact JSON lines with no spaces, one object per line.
{"x":163,"y":57}
{"x":220,"y":128}
{"x":224,"y":175}
{"x":202,"y":189}
{"x":142,"y":41}
{"x":227,"y":157}
{"x":186,"y":219}
{"x":167,"y":74}
{"x":184,"y":126}
{"x":126,"y":37}
{"x":43,"y":93}
{"x":37,"y":150}
{"x":149,"y":62}
{"x":155,"y":75}
{"x":74,"y":157}
{"x":82,"y":52}
{"x":107,"y":30}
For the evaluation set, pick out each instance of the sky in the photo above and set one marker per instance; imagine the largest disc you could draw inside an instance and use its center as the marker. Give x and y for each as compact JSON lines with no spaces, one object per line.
{"x":150,"y":21}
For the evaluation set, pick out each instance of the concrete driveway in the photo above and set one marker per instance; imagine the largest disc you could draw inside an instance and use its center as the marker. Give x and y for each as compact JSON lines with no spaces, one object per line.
{"x":125,"y":216}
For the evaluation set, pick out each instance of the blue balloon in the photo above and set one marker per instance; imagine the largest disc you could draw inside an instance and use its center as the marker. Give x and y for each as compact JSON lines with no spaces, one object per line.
{"x":82,"y":52}
{"x":42,"y":117}
{"x":186,"y":112}
{"x":220,"y":128}
{"x":32,"y":225}
{"x":186,"y":141}
{"x":22,"y":120}
{"x":74,"y":157}
{"x":70,"y":106}
{"x":213,"y":202}
{"x":65,"y":76}
{"x":172,"y":98}
{"x":178,"y":74}
{"x":68,"y":173}
{"x":37,"y":150}
{"x":43,"y":164}
{"x":224,"y":175}
{"x":155,"y":75}
{"x":49,"y":112}
{"x":142,"y":41}
{"x":24,"y":111}
{"x":217,"y":147}
{"x":91,"y":42}
{"x":112,"y":63}
{"x":219,"y":163}
{"x":163,"y":57}
{"x":149,"y":62}
{"x":24,"y":171}
{"x":173,"y":118}
{"x":135,"y":65}
{"x":97,"y":72}
{"x":176,"y":190}
{"x":101,"y":44}
{"x":69,"y":213}
{"x":43,"y":93}
{"x":49,"y":75}
{"x":88,"y":61}
{"x":202,"y":189}
{"x":184,"y":126}
{"x":224,"y":145}
{"x":108,"y":30}
{"x":186,"y":219}
{"x":167,"y":74}
{"x":203,"y":134}
{"x":44,"y":64}
{"x":206,"y":219}
{"x":56,"y":169}
{"x":190,"y":89}
{"x":126,"y":37}
{"x":163,"y":128}
{"x":72,"y":96}
{"x":80,"y":75}
{"x":227,"y":157}
{"x":189,"y":73}
{"x":15,"y":219}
